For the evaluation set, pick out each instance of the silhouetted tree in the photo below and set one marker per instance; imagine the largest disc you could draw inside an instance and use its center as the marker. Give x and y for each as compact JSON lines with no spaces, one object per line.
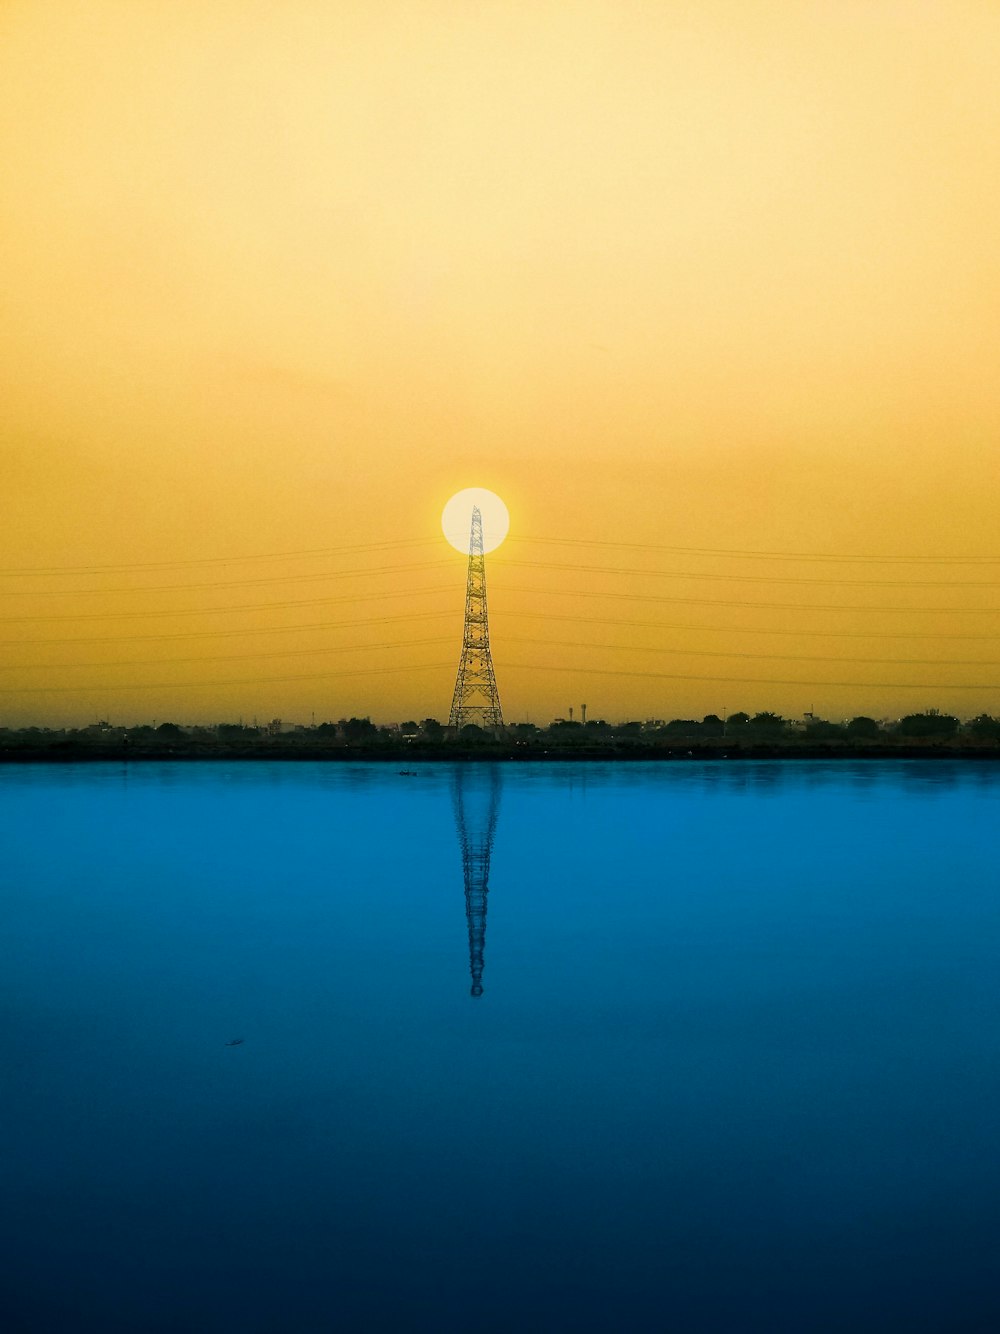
{"x":565,"y":730}
{"x":234,"y":731}
{"x":929,"y":724}
{"x":821,"y":730}
{"x":409,"y":729}
{"x":767,"y":724}
{"x":984,"y":728}
{"x":711,"y":725}
{"x":680,"y":729}
{"x":432,"y":729}
{"x":523,"y":731}
{"x":169,"y":730}
{"x":863,"y":729}
{"x":596,"y":727}
{"x":358,"y":729}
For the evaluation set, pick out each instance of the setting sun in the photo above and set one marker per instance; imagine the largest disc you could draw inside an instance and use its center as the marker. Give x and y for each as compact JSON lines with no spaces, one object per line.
{"x":457,"y":518}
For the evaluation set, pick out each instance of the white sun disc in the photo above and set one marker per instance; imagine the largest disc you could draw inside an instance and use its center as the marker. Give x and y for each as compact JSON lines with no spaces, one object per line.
{"x":456,"y":520}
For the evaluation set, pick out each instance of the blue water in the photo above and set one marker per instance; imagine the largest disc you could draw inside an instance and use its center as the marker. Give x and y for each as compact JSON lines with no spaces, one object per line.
{"x":735,"y":1065}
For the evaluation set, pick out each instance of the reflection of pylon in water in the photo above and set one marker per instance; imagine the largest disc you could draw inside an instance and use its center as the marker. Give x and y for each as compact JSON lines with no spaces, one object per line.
{"x":476,"y":699}
{"x":477,"y":800}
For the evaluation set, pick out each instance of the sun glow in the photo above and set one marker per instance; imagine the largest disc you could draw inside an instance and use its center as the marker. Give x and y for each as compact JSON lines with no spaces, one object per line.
{"x":456,"y":519}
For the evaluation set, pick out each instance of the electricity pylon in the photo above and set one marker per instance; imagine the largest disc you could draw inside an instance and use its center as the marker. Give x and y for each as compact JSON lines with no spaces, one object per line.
{"x":476,"y":805}
{"x":476,"y":699}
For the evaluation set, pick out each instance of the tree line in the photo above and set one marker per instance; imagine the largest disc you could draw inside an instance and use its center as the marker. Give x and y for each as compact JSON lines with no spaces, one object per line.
{"x":737,"y":732}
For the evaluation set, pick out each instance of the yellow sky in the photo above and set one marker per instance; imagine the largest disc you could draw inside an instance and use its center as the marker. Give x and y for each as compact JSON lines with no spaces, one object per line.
{"x":283,"y":277}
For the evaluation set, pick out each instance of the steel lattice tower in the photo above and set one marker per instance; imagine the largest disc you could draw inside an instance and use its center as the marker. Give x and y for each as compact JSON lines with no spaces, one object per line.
{"x":476,"y":807}
{"x":476,"y":699}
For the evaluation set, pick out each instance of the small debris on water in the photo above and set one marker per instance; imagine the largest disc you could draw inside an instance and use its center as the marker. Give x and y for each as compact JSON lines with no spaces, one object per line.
{"x":234,"y":1042}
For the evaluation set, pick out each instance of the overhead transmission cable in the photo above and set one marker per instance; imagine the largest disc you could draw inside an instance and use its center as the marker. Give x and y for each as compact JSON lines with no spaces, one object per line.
{"x":214,"y":685}
{"x":747,"y":606}
{"x":758,"y":554}
{"x":314,"y":552}
{"x":673,"y":627}
{"x":538,"y":668}
{"x":196,"y":561}
{"x":748,"y":680}
{"x":225,"y":583}
{"x":758,"y":578}
{"x":239,"y":634}
{"x":778,"y":657}
{"x":227,"y":657}
{"x":515,"y":639}
{"x":630,"y":571}
{"x":667,"y":626}
{"x":531,"y":592}
{"x":222,"y":611}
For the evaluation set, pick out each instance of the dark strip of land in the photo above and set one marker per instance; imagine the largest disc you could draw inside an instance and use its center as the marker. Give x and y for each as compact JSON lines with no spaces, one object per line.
{"x":764,"y":736}
{"x":278,"y":748}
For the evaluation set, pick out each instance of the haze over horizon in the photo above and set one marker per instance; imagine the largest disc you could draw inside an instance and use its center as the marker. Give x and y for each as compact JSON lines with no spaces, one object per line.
{"x":672,"y":281}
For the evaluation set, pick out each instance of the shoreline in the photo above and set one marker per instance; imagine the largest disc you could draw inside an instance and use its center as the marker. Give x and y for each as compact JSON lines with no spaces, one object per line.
{"x":69,"y":753}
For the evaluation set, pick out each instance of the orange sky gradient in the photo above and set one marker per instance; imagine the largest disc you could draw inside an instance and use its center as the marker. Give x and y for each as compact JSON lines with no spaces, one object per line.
{"x":680,"y":282}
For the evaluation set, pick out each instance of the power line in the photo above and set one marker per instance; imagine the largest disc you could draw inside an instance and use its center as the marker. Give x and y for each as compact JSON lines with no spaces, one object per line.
{"x":223,"y":657}
{"x":549,"y":643}
{"x":222,"y":611}
{"x":510,"y":666}
{"x":214,"y":685}
{"x":747,"y":606}
{"x":763,"y":555}
{"x":778,"y":657}
{"x":531,"y":592}
{"x":674,"y":549}
{"x":668,"y":626}
{"x":123,"y":568}
{"x":223,"y":583}
{"x":759,"y":578}
{"x":732,"y":629}
{"x":746,"y":680}
{"x":244,"y":634}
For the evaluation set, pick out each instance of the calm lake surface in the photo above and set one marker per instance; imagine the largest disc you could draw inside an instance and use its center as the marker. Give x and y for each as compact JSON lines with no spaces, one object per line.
{"x":735,"y":1065}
